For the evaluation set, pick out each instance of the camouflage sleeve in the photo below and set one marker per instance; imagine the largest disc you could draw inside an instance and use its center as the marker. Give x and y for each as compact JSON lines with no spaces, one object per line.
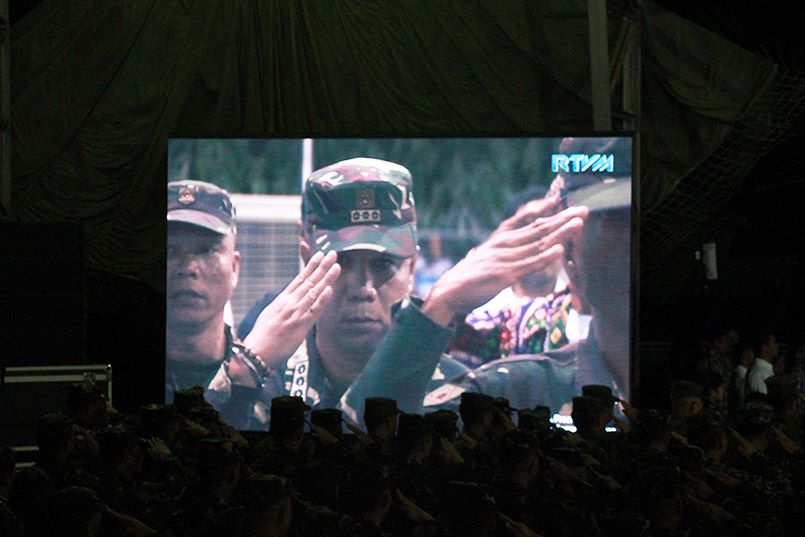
{"x":233,"y":402}
{"x":402,"y":365}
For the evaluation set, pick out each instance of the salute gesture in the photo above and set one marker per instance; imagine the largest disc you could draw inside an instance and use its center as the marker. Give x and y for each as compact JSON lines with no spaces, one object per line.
{"x":528,"y":241}
{"x":282,"y":325}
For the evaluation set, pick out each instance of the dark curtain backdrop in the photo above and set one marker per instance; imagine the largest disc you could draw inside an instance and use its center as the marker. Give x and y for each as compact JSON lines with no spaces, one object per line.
{"x":99,"y":86}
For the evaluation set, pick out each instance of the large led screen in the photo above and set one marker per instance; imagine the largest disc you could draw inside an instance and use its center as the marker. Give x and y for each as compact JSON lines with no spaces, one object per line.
{"x":414,"y":269}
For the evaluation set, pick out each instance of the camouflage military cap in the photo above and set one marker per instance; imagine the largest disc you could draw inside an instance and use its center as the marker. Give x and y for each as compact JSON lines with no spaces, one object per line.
{"x":413,"y":426}
{"x":155,"y":415}
{"x":585,"y":406}
{"x":380,"y":407}
{"x":361,"y":204}
{"x":544,"y":411}
{"x":287,"y":415}
{"x":288,"y":405}
{"x":685,"y":388}
{"x":517,"y":446}
{"x":477,"y":401}
{"x":652,"y":422}
{"x":201,"y":204}
{"x":326,"y":417}
{"x":503,"y":405}
{"x":191,"y":398}
{"x":443,"y":422}
{"x":586,"y":182}
{"x":599,"y":392}
{"x":203,"y":414}
{"x":532,"y":420}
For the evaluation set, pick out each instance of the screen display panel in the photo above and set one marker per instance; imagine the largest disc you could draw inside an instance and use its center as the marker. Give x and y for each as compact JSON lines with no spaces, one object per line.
{"x":411,"y":269}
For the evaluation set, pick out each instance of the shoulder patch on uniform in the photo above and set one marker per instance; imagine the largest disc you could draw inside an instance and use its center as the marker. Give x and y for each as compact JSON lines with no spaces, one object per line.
{"x":443,"y":393}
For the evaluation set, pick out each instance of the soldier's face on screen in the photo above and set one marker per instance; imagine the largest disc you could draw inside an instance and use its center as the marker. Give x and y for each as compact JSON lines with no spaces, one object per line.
{"x":359,"y":314}
{"x":202,"y":273}
{"x":598,"y":262}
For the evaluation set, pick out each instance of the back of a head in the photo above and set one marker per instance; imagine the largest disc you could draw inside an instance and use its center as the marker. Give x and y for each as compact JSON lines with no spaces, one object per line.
{"x":517,"y":448}
{"x":652,"y":427}
{"x":329,"y":419}
{"x":114,"y":445}
{"x":413,"y":430}
{"x":443,"y":423}
{"x":287,"y":416}
{"x":84,"y":402}
{"x":587,"y":414}
{"x":53,"y":432}
{"x":705,"y":432}
{"x":686,"y":398}
{"x":377,"y":411}
{"x":474,"y":405}
{"x":756,"y":419}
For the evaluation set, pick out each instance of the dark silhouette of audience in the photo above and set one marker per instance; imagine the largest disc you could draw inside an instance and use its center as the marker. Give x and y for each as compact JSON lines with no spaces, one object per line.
{"x":699,"y":467}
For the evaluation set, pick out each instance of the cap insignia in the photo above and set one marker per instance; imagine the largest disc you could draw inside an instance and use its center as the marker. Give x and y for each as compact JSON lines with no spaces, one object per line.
{"x":187,"y":194}
{"x":365,"y":198}
{"x":356,"y":216}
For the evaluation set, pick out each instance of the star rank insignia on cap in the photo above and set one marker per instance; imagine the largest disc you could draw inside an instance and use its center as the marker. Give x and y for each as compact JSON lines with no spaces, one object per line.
{"x":365,"y":198}
{"x":187,"y":194}
{"x":364,"y":210}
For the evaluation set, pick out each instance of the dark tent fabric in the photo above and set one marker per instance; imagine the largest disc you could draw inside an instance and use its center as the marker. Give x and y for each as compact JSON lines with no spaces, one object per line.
{"x":99,"y":87}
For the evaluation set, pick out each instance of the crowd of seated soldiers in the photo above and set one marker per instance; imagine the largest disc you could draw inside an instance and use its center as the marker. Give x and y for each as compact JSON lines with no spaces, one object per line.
{"x":719,"y":461}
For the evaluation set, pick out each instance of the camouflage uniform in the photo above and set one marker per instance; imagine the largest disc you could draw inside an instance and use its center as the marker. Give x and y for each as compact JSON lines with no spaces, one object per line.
{"x":357,"y":204}
{"x":204,"y":206}
{"x":181,"y":376}
{"x":408,"y":363}
{"x":552,"y":377}
{"x":549,"y":379}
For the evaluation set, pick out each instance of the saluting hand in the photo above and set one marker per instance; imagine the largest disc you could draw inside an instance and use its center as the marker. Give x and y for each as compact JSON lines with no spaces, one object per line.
{"x":528,"y":241}
{"x":282,"y":325}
